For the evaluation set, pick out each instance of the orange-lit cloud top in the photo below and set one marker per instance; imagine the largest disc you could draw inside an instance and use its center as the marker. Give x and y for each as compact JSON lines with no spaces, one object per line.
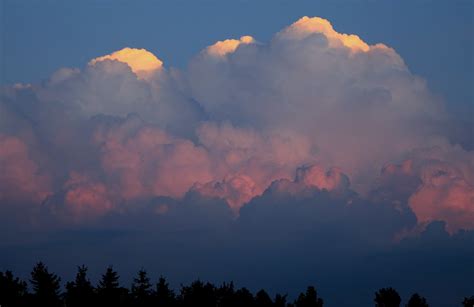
{"x":142,"y":62}
{"x":222,"y":48}
{"x":307,"y":26}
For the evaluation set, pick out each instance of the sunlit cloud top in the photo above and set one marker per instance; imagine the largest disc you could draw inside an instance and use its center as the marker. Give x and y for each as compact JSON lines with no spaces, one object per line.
{"x":142,"y":62}
{"x":221,"y":48}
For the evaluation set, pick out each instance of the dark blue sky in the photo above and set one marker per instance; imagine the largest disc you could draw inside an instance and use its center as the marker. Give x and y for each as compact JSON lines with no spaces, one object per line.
{"x":435,"y":38}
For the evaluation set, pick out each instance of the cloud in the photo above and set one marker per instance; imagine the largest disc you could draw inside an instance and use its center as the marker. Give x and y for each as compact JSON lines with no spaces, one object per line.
{"x":243,"y":117}
{"x":315,"y":175}
{"x":142,"y":62}
{"x":359,"y":109}
{"x":21,"y":179}
{"x":143,"y":161}
{"x":436,"y":182}
{"x":86,"y":198}
{"x":222,"y":48}
{"x":236,"y":190}
{"x":306,"y":26}
{"x":447,"y":189}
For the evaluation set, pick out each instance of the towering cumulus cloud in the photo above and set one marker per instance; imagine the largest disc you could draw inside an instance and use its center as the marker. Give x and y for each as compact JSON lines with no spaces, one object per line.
{"x":311,"y":112}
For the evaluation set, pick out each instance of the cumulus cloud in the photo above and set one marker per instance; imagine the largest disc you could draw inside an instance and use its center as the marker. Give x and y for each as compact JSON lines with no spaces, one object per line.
{"x":359,"y":108}
{"x":242,"y":117}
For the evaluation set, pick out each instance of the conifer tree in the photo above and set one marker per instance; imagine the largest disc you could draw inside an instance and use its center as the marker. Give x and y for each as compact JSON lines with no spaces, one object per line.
{"x":13,"y":291}
{"x":417,"y":301}
{"x":109,"y":291}
{"x":387,"y":297}
{"x":80,"y":292}
{"x":468,"y":301}
{"x":164,"y":296}
{"x":46,"y":287}
{"x":262,"y":299}
{"x":309,"y":299}
{"x":141,"y":290}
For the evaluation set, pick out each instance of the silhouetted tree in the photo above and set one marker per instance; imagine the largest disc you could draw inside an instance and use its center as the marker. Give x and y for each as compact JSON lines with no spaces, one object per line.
{"x":468,"y":301}
{"x":198,"y":294}
{"x":225,"y":295}
{"x":80,"y":292}
{"x":109,"y":291}
{"x":309,"y":299}
{"x":262,"y":299}
{"x":45,"y":287}
{"x":417,"y":301}
{"x":141,"y":290}
{"x":12,"y":290}
{"x":164,"y":296}
{"x":280,"y":300}
{"x":387,"y":297}
{"x":243,"y":297}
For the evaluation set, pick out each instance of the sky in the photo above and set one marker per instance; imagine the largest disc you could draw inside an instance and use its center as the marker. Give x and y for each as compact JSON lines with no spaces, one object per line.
{"x":273,"y":143}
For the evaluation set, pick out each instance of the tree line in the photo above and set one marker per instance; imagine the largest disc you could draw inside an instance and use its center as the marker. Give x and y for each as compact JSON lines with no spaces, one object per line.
{"x":46,"y":292}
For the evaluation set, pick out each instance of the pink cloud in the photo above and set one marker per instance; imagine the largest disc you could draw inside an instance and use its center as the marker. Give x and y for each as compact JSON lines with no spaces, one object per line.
{"x":86,"y":198}
{"x":21,"y":179}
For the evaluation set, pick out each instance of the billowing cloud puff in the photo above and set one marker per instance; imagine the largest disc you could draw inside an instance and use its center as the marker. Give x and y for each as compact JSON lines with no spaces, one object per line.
{"x":315,"y":175}
{"x":142,"y":62}
{"x":146,"y":161}
{"x":447,"y":189}
{"x":236,"y":190}
{"x":306,"y":26}
{"x":222,"y":48}
{"x":437,"y":183}
{"x":21,"y":179}
{"x":444,"y":195}
{"x":86,"y":198}
{"x":110,"y":87}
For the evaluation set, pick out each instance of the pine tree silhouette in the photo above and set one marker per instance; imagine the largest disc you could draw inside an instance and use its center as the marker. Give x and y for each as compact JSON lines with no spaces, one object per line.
{"x":309,"y":299}
{"x":13,"y":291}
{"x":164,"y":296}
{"x":109,"y":291}
{"x":46,"y":287}
{"x":387,"y":297}
{"x":141,"y":290}
{"x":198,"y":294}
{"x":225,"y":295}
{"x":468,"y":301}
{"x":280,"y":300}
{"x":262,"y":299}
{"x":417,"y":301}
{"x":243,"y":297}
{"x":79,"y":292}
